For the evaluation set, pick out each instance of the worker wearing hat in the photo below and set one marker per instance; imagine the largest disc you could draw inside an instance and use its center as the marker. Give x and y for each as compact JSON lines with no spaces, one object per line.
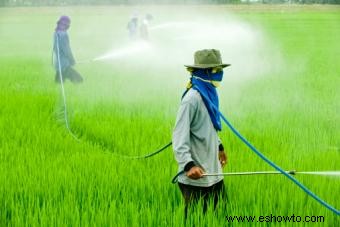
{"x":144,"y":27}
{"x":132,"y":26}
{"x":196,"y":143}
{"x":63,"y":59}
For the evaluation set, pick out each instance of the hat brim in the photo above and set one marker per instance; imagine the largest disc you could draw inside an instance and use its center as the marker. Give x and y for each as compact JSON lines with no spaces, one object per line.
{"x":207,"y":66}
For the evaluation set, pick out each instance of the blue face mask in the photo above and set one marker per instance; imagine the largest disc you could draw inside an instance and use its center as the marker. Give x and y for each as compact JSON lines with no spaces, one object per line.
{"x":210,"y":75}
{"x":205,"y":82}
{"x":216,"y":78}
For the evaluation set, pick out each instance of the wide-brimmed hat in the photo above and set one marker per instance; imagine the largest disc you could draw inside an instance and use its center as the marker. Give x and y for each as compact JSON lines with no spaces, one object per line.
{"x":207,"y":58}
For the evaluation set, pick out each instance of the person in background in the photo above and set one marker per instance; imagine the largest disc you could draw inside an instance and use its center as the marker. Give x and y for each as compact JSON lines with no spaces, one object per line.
{"x":196,"y":144}
{"x":63,"y":59}
{"x":144,"y":28}
{"x":132,"y":26}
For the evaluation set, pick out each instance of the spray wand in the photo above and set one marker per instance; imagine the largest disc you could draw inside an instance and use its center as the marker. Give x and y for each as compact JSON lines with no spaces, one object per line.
{"x":291,"y":172}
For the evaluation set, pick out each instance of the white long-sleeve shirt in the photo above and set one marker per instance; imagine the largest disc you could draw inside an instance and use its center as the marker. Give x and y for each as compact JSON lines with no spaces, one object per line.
{"x":195,"y":139}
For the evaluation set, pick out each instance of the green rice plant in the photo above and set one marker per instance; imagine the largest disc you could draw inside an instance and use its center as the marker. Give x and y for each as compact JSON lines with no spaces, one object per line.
{"x":128,"y":106}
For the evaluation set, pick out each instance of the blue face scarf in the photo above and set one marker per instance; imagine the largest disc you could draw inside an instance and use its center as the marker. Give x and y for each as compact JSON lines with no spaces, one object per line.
{"x":208,"y":92}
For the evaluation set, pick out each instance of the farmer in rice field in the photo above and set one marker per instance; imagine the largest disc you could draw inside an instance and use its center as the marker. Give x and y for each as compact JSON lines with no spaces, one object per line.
{"x":63,"y":59}
{"x":144,"y":27}
{"x":132,"y":26}
{"x":196,"y":144}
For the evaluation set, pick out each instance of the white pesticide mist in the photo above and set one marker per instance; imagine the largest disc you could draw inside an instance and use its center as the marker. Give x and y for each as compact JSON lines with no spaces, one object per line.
{"x":125,"y":52}
{"x":157,"y":65}
{"x":174,"y":43}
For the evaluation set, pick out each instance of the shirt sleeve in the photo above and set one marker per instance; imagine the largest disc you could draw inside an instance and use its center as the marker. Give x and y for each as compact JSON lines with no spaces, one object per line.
{"x":181,"y":134}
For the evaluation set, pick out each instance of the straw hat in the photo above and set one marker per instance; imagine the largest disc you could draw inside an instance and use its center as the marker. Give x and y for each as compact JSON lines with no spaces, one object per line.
{"x":207,"y":58}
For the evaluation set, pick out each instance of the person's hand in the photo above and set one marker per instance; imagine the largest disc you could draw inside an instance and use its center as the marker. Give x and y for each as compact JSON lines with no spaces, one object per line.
{"x":222,"y":156}
{"x":195,"y":173}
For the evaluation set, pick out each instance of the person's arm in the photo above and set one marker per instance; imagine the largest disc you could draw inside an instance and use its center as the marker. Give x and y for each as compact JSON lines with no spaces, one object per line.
{"x":222,"y":155}
{"x":65,"y":47}
{"x":181,"y":140}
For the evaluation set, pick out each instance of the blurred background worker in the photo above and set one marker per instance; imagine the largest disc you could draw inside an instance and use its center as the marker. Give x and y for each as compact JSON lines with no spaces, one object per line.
{"x":132,"y":26}
{"x":144,"y":27}
{"x":196,"y":144}
{"x":63,"y":59}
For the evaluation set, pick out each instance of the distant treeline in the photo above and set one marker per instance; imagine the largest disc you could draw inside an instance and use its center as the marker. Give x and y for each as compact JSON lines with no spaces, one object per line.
{"x":131,"y":2}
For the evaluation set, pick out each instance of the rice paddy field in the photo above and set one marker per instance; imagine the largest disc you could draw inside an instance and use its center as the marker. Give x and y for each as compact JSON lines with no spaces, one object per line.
{"x":281,"y":92}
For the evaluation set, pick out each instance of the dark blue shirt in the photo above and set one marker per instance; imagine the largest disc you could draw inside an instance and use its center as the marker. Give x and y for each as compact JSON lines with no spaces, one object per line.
{"x":62,"y":48}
